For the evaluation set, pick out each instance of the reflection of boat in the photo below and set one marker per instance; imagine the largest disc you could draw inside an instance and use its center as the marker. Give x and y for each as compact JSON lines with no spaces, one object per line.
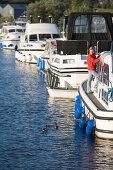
{"x":99,"y":105}
{"x":69,"y":66}
{"x":12,"y":36}
{"x":32,"y":44}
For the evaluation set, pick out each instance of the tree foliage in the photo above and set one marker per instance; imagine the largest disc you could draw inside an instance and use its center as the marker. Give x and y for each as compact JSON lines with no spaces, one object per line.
{"x":16,"y":1}
{"x":57,"y":8}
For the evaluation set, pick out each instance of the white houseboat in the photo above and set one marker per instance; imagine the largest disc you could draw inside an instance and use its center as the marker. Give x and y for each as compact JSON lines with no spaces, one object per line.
{"x":68,"y":68}
{"x":99,"y":105}
{"x":11,"y":36}
{"x":32,"y":44}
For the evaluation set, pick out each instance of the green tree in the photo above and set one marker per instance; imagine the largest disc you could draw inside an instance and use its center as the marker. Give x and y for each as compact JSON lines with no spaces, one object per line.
{"x":37,"y":9}
{"x":105,"y":5}
{"x":76,"y":6}
{"x":55,"y":8}
{"x":87,"y":5}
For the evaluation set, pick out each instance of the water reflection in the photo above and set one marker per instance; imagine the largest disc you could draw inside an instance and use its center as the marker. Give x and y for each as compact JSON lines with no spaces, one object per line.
{"x":25,"y":108}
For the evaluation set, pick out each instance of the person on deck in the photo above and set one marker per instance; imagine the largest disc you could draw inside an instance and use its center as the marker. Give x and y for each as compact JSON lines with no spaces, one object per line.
{"x":91,"y":61}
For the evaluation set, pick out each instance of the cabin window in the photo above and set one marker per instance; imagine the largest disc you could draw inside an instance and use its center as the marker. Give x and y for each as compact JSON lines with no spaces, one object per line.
{"x":106,"y":73}
{"x":12,"y":30}
{"x":19,"y":30}
{"x":103,"y":72}
{"x":20,"y":24}
{"x":81,"y":24}
{"x":56,"y":36}
{"x":84,"y":57}
{"x":69,"y":61}
{"x":33,"y":37}
{"x":23,"y":25}
{"x":43,"y":37}
{"x":98,"y":25}
{"x":57,"y":60}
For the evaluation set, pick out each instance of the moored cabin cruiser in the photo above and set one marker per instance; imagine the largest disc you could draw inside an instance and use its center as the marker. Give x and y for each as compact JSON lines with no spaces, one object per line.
{"x":68,"y":68}
{"x":20,"y":23}
{"x":99,"y":104}
{"x":12,"y":36}
{"x":32,"y":44}
{"x":2,"y":30}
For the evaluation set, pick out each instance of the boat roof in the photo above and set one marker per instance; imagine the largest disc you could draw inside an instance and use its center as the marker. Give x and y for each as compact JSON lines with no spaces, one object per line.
{"x":13,"y":27}
{"x":42,"y":28}
{"x":71,"y":21}
{"x":96,"y":30}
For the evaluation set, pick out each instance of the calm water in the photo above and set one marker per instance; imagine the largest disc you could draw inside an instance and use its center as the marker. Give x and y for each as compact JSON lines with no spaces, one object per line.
{"x":25,"y":109}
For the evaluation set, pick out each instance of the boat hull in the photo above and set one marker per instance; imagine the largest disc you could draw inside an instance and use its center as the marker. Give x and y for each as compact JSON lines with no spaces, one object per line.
{"x":103,"y":117}
{"x":23,"y":56}
{"x":9,"y":45}
{"x":60,"y":93}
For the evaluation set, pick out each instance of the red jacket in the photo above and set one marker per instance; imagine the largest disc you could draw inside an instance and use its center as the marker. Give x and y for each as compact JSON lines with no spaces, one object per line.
{"x":91,"y":61}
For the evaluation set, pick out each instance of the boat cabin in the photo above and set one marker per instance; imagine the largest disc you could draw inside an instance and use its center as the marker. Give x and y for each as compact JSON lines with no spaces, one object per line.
{"x":20,"y":23}
{"x":12,"y":29}
{"x":84,"y":30}
{"x":41,"y":32}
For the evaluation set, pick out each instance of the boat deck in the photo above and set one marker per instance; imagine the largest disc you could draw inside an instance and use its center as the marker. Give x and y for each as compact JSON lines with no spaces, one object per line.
{"x":93,"y":98}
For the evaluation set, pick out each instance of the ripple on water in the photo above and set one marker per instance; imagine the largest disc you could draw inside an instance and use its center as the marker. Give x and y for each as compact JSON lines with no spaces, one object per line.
{"x":25,"y":109}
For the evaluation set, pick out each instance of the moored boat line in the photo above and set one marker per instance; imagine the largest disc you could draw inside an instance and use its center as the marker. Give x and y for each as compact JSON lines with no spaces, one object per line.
{"x":33,"y":41}
{"x":10,"y":36}
{"x":68,"y":60}
{"x":65,"y":63}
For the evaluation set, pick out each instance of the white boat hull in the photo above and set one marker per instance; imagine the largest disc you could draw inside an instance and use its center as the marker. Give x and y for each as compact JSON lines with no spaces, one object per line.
{"x":59,"y":93}
{"x":103,"y":118}
{"x":10,"y":44}
{"x":28,"y":56}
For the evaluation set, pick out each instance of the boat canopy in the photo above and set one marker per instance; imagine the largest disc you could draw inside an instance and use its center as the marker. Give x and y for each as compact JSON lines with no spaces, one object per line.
{"x":90,"y":26}
{"x":41,"y":28}
{"x":87,"y":29}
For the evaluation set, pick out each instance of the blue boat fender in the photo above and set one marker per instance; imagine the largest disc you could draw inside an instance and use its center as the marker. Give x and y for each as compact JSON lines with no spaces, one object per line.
{"x":78,"y":102}
{"x":43,"y":65}
{"x":1,"y":45}
{"x":78,"y":108}
{"x":16,"y":47}
{"x":78,"y":112}
{"x":83,"y":122}
{"x":90,"y":127}
{"x":38,"y":63}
